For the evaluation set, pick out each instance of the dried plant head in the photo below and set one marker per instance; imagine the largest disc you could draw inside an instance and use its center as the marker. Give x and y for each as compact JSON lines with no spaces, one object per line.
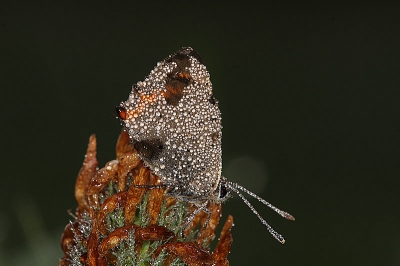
{"x":125,"y":218}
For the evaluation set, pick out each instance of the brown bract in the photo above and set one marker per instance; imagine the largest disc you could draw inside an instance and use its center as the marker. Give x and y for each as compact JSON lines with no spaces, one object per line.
{"x":121,"y":185}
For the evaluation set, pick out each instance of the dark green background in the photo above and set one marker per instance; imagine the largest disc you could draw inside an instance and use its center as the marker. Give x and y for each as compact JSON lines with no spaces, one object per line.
{"x":310,"y":90}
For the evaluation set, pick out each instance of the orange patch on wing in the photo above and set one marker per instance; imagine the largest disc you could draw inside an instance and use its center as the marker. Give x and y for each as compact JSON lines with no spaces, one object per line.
{"x":144,"y":102}
{"x":175,"y":86}
{"x":183,"y":75}
{"x":174,"y":91}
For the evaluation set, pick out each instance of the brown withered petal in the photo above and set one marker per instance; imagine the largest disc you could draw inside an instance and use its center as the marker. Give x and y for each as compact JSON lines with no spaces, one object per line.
{"x":93,"y":242}
{"x":86,"y":173}
{"x":154,"y":206}
{"x":67,"y":238}
{"x":223,"y":247}
{"x":135,"y":194}
{"x":190,"y":253}
{"x":115,"y":201}
{"x":126,"y":164}
{"x":103,"y":177}
{"x":152,"y":232}
{"x":124,"y":146}
{"x":209,"y":232}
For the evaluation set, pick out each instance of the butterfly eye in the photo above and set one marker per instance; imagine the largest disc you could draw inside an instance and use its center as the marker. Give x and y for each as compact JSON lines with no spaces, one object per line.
{"x":223,"y":192}
{"x":121,"y":112}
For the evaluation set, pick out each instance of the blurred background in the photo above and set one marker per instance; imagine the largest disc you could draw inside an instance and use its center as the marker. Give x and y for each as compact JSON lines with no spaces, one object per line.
{"x":309,"y":95}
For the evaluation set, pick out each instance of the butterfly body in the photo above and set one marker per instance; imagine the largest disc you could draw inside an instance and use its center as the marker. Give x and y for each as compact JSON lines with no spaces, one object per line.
{"x":174,"y":123}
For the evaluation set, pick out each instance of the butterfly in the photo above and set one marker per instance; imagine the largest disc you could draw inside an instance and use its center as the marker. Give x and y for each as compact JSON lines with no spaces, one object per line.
{"x":174,"y":123}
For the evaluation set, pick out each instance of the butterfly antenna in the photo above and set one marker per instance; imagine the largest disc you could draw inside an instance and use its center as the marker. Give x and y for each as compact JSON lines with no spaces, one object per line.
{"x":235,"y":187}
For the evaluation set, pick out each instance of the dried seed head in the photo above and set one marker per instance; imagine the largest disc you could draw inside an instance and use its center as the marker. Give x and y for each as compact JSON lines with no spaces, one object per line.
{"x":136,"y":226}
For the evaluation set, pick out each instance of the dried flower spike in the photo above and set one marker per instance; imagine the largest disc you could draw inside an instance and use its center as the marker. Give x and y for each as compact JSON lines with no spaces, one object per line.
{"x":129,"y":224}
